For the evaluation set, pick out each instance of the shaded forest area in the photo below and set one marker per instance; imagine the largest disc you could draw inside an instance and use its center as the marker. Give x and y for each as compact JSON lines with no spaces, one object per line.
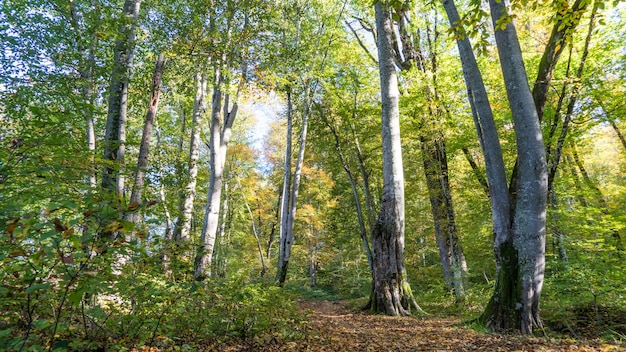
{"x":232,"y":175}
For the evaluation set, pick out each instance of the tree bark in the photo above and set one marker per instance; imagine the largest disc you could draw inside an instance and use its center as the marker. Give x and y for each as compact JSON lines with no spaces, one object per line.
{"x":450,"y":252}
{"x":286,"y":236}
{"x":144,"y":148}
{"x":391,"y":291}
{"x":573,"y":97}
{"x":221,"y":131}
{"x":115,"y":137}
{"x":557,"y":42}
{"x":182,"y":230}
{"x":519,"y":229}
{"x":284,"y":207}
{"x":515,"y":302}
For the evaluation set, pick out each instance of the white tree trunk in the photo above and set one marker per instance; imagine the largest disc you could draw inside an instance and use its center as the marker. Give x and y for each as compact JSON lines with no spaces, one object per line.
{"x":221,"y":130}
{"x":182,"y":229}
{"x":287,"y":234}
{"x":391,"y":292}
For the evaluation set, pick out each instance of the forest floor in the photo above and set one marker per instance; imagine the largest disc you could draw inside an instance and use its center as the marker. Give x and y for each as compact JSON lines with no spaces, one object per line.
{"x":332,"y":326}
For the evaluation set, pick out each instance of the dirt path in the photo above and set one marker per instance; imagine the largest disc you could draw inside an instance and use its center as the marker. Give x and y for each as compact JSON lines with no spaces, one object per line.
{"x":333,"y":327}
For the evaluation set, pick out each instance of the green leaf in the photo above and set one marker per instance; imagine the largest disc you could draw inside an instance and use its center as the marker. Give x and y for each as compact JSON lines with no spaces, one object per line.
{"x":36,"y":287}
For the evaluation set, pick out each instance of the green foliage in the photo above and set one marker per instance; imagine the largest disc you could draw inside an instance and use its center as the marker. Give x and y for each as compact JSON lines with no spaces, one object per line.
{"x":59,"y":291}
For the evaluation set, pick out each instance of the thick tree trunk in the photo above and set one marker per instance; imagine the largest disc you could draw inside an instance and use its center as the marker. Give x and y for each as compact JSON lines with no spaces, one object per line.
{"x":391,"y":291}
{"x":515,"y":303}
{"x":115,"y":137}
{"x":144,"y":147}
{"x":182,"y":230}
{"x":435,"y":158}
{"x":519,"y":242}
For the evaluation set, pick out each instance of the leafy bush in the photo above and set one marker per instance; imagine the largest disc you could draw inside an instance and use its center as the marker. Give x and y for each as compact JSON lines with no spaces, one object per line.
{"x":66,"y":287}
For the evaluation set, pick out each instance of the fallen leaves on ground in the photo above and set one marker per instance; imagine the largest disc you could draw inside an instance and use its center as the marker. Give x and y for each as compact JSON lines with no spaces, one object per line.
{"x":334,"y":327}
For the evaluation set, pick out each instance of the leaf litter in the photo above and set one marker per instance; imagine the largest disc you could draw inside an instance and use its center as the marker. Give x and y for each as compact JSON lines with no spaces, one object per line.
{"x":332,"y":326}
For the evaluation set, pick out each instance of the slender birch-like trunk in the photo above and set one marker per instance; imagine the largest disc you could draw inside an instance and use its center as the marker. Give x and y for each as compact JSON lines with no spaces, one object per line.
{"x":182,"y":230}
{"x":357,"y":201}
{"x":284,"y":207}
{"x":287,"y":233}
{"x":144,"y":147}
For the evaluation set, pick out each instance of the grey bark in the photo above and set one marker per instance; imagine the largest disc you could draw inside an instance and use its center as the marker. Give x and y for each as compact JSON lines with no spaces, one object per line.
{"x":115,"y":137}
{"x":144,"y":147}
{"x":563,"y":27}
{"x":86,"y":69}
{"x":221,"y":131}
{"x":391,"y":291}
{"x":182,"y":230}
{"x":573,"y":97}
{"x":527,"y":245}
{"x":287,"y":232}
{"x":450,"y":252}
{"x":519,"y":229}
{"x":284,"y":207}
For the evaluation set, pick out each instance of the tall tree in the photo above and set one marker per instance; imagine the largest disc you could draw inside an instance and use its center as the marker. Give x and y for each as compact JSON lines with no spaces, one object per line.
{"x":220,"y":130}
{"x":290,"y":194}
{"x":115,"y":137}
{"x":391,"y":291}
{"x":144,"y":147}
{"x":182,"y":230}
{"x":519,"y":222}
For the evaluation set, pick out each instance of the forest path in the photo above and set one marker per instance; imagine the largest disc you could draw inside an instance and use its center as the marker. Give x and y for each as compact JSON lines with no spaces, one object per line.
{"x":334,"y":327}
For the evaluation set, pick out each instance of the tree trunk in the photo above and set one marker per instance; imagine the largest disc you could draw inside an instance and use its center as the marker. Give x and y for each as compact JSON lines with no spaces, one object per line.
{"x":573,"y":97}
{"x":221,"y":130}
{"x":391,"y":291}
{"x":433,"y":147}
{"x":476,"y":170}
{"x":359,"y":211}
{"x":271,"y":237}
{"x":515,"y":302}
{"x":564,"y":26}
{"x":284,"y":207}
{"x":182,"y":230}
{"x":115,"y":137}
{"x":450,"y":252}
{"x":287,"y":234}
{"x":144,"y":148}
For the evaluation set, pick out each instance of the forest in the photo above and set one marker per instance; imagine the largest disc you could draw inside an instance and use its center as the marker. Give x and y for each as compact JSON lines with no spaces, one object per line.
{"x":312,"y":175}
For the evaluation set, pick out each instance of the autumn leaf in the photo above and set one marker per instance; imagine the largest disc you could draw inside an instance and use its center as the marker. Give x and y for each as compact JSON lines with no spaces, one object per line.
{"x":58,"y":226}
